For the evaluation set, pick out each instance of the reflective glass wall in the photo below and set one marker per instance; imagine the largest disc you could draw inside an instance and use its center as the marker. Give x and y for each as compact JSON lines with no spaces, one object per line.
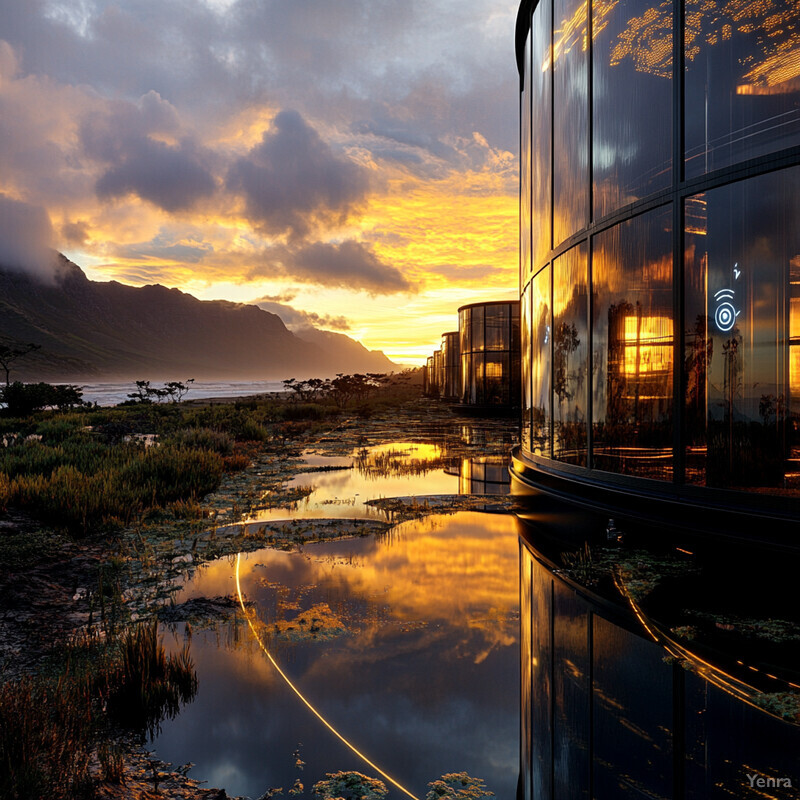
{"x":608,"y":711}
{"x":660,"y":258}
{"x":489,"y":340}
{"x":451,"y":366}
{"x":430,"y":383}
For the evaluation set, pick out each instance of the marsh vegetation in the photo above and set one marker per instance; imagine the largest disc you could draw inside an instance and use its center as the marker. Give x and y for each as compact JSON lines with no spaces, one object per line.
{"x":105,"y":511}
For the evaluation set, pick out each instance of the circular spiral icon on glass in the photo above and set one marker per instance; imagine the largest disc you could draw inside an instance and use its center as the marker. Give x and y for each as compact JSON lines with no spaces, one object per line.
{"x":725,"y":313}
{"x":725,"y":316}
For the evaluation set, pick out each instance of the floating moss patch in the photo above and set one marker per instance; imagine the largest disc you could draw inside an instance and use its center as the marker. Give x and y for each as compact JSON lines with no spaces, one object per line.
{"x":318,"y":622}
{"x":779,"y":631}
{"x":400,"y":509}
{"x":201,"y":611}
{"x":782,"y":704}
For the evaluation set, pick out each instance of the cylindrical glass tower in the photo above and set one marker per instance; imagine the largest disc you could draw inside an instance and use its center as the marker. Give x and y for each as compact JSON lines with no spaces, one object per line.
{"x":660,"y":252}
{"x":490,"y":355}
{"x":451,"y":366}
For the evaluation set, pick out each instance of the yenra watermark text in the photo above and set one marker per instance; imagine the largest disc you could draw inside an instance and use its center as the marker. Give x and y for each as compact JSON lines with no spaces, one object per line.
{"x":768,"y":783}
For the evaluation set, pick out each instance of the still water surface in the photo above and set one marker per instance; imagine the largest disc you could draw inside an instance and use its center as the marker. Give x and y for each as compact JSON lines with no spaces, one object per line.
{"x":416,"y":664}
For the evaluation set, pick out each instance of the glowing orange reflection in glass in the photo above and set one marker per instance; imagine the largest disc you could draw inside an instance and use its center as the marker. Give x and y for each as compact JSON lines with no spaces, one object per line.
{"x":648,"y":345}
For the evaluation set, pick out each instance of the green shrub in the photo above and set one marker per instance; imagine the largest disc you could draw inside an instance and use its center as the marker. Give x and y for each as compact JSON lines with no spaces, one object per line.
{"x":59,"y":429}
{"x":203,"y":439}
{"x":83,"y":486}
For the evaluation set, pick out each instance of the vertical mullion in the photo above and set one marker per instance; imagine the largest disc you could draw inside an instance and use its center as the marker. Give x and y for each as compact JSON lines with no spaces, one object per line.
{"x":552,"y":127}
{"x":678,"y":218}
{"x":590,"y":359}
{"x":590,"y":110}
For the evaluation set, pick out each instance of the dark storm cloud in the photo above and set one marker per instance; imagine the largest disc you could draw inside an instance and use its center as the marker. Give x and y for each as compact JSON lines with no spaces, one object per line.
{"x":26,"y":238}
{"x":293,"y":179}
{"x":295,"y":317}
{"x":171,"y":176}
{"x":349,"y":265}
{"x":75,"y":233}
{"x":435,"y":68}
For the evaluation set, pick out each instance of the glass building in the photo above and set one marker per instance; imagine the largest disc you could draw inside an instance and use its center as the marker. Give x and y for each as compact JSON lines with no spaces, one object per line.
{"x":490,"y":354}
{"x":660,"y":250}
{"x":451,"y":366}
{"x":616,"y":706}
{"x":430,"y":383}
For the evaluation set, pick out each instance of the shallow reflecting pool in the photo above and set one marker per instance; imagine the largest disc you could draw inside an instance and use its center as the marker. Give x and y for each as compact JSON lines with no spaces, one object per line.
{"x":406,"y":643}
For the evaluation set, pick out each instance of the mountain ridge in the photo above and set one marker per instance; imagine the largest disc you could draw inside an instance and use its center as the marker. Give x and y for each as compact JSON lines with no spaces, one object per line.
{"x":90,"y":330}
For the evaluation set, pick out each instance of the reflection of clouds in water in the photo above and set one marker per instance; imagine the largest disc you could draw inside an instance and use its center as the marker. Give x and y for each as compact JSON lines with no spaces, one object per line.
{"x":426,"y":685}
{"x":463,"y":564}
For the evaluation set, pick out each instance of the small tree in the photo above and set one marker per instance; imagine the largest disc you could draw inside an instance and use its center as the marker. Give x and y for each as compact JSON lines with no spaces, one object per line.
{"x":142,"y":393}
{"x":174,"y":390}
{"x":10,"y":353}
{"x":177,"y":389}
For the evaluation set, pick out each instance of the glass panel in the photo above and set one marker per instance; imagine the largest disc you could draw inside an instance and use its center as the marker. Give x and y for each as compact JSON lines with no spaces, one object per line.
{"x":477,"y":333}
{"x":525,"y":564}
{"x":570,"y":356}
{"x":570,"y":119}
{"x":719,"y":758}
{"x":541,"y":682}
{"x":525,"y":170}
{"x":498,"y":385}
{"x":741,"y":356}
{"x":742,"y":82}
{"x":475,"y":378}
{"x":541,"y":109}
{"x":632,"y":730}
{"x":632,"y":96}
{"x":632,"y":347}
{"x":541,"y":342}
{"x":571,"y":697}
{"x":497,"y":327}
{"x":464,"y":328}
{"x":525,"y":310}
{"x":516,"y":356}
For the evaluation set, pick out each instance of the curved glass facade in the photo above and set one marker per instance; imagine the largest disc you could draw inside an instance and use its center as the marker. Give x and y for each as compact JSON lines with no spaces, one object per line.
{"x":660,"y":255}
{"x":451,"y":365}
{"x":489,"y":336}
{"x":430,"y":380}
{"x":611,"y":708}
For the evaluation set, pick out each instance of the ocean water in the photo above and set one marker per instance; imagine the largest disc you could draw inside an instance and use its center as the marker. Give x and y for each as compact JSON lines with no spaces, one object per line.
{"x":111,"y":393}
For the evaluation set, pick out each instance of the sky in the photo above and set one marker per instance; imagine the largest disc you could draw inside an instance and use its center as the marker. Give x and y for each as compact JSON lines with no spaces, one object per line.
{"x":346,"y":163}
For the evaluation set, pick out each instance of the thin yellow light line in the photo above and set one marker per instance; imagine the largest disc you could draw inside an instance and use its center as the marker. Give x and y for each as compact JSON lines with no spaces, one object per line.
{"x":302,"y":697}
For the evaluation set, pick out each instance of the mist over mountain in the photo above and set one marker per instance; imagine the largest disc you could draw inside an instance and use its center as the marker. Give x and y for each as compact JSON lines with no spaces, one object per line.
{"x":90,"y":330}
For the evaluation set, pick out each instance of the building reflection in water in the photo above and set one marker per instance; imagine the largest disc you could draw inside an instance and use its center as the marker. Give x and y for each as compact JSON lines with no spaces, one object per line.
{"x":484,"y":475}
{"x":612,"y":708}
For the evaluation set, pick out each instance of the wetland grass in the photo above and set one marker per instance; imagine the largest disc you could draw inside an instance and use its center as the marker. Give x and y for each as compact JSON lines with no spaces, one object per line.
{"x":54,"y":724}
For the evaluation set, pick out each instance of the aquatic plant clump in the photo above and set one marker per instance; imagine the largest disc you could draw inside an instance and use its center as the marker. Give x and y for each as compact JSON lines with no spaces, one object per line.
{"x":350,"y":786}
{"x":458,"y":786}
{"x":149,"y":685}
